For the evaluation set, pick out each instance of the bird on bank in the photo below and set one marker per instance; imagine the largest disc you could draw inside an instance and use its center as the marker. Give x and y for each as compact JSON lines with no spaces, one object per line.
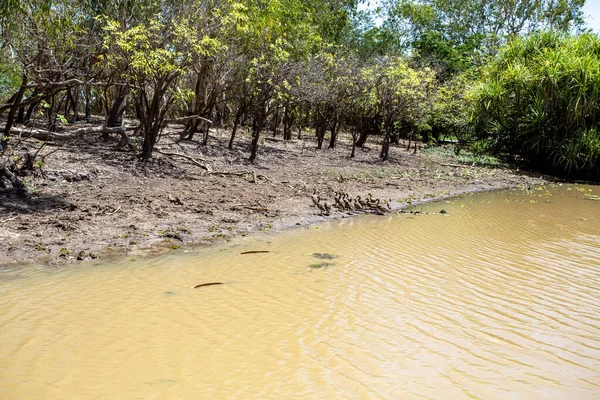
{"x":315,"y":197}
{"x":324,"y":208}
{"x":361,"y":202}
{"x":338,"y":201}
{"x":347,"y":203}
{"x":357,"y":205}
{"x":370,"y":200}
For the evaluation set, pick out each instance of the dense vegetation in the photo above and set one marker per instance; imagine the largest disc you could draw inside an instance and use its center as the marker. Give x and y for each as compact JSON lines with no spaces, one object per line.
{"x":540,"y":99}
{"x":508,"y":77}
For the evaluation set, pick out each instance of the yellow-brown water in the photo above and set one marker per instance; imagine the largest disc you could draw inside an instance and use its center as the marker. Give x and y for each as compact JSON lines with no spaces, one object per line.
{"x":497,"y":299}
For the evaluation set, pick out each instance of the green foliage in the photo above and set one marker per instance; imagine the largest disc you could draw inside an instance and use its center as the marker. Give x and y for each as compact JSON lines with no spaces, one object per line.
{"x":451,"y":111}
{"x":540,"y":99}
{"x":457,"y":34}
{"x":10,"y":80}
{"x":471,"y":157}
{"x":403,"y":94}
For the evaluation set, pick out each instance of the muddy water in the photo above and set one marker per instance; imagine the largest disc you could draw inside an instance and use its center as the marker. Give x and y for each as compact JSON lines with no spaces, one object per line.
{"x":499,"y":298}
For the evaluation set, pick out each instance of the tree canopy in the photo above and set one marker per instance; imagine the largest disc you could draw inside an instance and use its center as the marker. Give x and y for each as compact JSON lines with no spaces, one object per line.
{"x":429,"y":68}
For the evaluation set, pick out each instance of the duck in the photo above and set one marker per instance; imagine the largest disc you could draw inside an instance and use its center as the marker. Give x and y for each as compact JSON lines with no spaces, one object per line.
{"x":315,"y":197}
{"x":381,"y":210}
{"x":324,"y":208}
{"x":357,"y":205}
{"x":361,"y":202}
{"x":347,"y":203}
{"x":371,"y":200}
{"x":338,"y":201}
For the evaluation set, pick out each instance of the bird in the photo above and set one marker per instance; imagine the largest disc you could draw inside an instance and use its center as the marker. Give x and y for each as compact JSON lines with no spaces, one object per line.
{"x":370,"y":200}
{"x":347,"y":204}
{"x":357,"y":204}
{"x":381,"y":210}
{"x":324,"y":208}
{"x":338,"y":202}
{"x":360,"y":201}
{"x":314,"y":197}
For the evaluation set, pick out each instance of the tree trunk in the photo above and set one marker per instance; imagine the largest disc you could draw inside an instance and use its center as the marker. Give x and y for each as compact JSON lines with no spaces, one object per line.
{"x":320,"y":132}
{"x":362,"y":138}
{"x":205,"y":129}
{"x":335,"y":128}
{"x":238,"y":116}
{"x":385,"y":148}
{"x":75,"y":102}
{"x":115,"y":115}
{"x":30,"y":109}
{"x":255,"y":137}
{"x":152,"y":115}
{"x":88,"y":95}
{"x":258,"y":123}
{"x":288,"y":121}
{"x":20,"y":115}
{"x":13,"y":110}
{"x":320,"y":128}
{"x":275,"y":122}
{"x":150,"y":136}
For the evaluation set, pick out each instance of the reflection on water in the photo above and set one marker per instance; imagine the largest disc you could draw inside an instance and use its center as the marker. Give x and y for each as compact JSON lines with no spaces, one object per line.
{"x":496,"y":299}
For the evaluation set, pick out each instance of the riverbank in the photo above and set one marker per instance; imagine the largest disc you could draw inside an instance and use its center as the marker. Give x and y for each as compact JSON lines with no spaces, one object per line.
{"x":90,"y":201}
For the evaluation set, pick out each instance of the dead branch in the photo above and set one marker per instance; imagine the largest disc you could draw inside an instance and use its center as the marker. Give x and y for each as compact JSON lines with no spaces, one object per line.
{"x":206,"y":167}
{"x":255,"y":176}
{"x":188,"y":118}
{"x":70,"y":82}
{"x":43,"y":134}
{"x":9,"y":219}
{"x":456,"y":165}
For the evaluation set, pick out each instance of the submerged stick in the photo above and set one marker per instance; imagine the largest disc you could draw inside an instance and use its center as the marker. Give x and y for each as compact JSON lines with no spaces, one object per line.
{"x":207,"y":284}
{"x":254,"y":252}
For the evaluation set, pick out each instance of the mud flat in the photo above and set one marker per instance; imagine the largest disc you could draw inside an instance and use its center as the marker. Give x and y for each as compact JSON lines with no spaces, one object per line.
{"x":90,"y":201}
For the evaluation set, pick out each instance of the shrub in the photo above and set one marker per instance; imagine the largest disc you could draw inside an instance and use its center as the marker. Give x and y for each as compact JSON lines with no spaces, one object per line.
{"x":539,"y":98}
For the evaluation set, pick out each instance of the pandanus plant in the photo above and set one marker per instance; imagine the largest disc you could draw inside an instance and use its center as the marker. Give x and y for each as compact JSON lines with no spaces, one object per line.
{"x":540,"y":99}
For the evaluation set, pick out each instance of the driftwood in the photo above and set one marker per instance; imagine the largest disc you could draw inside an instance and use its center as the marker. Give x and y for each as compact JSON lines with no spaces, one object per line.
{"x":206,"y":167}
{"x":255,"y":252}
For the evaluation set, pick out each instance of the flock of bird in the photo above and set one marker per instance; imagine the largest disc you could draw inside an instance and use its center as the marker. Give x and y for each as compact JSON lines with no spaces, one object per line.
{"x":343,"y":202}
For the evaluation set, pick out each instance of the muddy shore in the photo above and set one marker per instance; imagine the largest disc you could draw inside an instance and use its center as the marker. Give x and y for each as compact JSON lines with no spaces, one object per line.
{"x":90,"y":201}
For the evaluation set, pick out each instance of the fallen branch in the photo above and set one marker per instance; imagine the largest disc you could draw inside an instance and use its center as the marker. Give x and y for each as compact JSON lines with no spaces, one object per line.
{"x":456,"y":165}
{"x":9,"y":219}
{"x":206,"y":167}
{"x":116,"y":211}
{"x":43,"y":134}
{"x":255,"y":176}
